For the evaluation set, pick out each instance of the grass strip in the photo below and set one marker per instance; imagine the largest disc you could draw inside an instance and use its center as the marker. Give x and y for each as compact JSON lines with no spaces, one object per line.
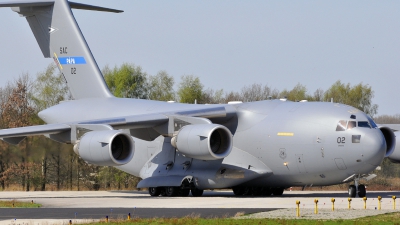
{"x":17,"y":204}
{"x":390,"y":218}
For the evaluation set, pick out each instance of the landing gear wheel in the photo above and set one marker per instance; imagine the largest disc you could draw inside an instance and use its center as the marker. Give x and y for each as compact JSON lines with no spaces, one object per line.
{"x":352,"y":191}
{"x":154,"y":191}
{"x":257,"y":191}
{"x":238,"y":190}
{"x":171,"y":191}
{"x":267,"y":191}
{"x":248,"y":191}
{"x":162,"y":193}
{"x":361,"y":191}
{"x":196,"y":192}
{"x":184,"y":192}
{"x":277,"y":191}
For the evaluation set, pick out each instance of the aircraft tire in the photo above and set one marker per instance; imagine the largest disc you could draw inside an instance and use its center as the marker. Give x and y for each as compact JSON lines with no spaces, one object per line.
{"x":361,"y":191}
{"x":171,"y":191}
{"x":352,"y":191}
{"x":257,"y":191}
{"x":154,"y":191}
{"x":196,"y":192}
{"x":184,"y":192}
{"x":248,"y":191}
{"x":238,"y":191}
{"x":267,"y":191}
{"x":277,"y":191}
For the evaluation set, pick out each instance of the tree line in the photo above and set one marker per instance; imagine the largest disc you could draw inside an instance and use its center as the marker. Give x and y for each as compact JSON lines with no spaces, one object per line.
{"x":39,"y":163}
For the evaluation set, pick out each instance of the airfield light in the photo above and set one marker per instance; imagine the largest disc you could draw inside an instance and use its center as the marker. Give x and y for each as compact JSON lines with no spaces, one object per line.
{"x":129,"y":216}
{"x":316,"y":206}
{"x":365,"y":202}
{"x":298,"y":208}
{"x":333,"y":204}
{"x":349,"y":199}
{"x":379,"y":202}
{"x":394,"y":201}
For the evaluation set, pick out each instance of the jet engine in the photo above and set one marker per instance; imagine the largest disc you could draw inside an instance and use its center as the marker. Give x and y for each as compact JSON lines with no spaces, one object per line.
{"x":203,"y":141}
{"x":395,"y":156}
{"x":105,"y":148}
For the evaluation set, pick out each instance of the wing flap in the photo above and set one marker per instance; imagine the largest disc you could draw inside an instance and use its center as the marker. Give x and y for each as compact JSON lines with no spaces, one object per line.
{"x":34,"y":130}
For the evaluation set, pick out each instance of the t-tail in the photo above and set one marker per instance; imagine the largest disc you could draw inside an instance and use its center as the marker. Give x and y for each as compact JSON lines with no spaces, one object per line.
{"x":59,"y":37}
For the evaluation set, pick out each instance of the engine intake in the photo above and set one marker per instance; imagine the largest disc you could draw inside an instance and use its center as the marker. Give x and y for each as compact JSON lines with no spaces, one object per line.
{"x":395,"y":156}
{"x":106,"y":148}
{"x":203,"y":141}
{"x":390,"y":139}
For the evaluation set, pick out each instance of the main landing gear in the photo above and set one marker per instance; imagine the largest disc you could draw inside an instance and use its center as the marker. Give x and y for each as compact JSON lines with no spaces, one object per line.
{"x":257,"y":191}
{"x":174,"y":191}
{"x":357,"y":189}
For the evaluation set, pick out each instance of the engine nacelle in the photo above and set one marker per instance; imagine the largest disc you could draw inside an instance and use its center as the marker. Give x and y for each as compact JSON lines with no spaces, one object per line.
{"x":106,"y":148}
{"x":203,"y":141}
{"x":395,"y":156}
{"x":390,"y":139}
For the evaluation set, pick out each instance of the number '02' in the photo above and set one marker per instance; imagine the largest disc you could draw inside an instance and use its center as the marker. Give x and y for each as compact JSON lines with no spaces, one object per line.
{"x":73,"y":70}
{"x":341,"y":140}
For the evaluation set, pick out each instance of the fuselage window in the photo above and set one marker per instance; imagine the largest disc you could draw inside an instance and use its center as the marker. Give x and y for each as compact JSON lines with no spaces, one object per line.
{"x":351,"y":125}
{"x":341,"y":126}
{"x":363,"y":124}
{"x":371,"y":122}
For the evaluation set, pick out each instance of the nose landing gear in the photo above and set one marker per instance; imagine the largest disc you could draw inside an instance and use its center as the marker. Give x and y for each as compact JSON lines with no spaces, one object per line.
{"x":357,"y":189}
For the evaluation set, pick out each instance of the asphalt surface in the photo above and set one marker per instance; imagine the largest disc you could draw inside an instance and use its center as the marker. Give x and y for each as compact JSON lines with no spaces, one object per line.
{"x":117,"y":204}
{"x":119,"y":213}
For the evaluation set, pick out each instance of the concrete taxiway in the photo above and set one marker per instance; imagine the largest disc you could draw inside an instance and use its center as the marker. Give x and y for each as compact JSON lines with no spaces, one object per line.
{"x":98,"y":204}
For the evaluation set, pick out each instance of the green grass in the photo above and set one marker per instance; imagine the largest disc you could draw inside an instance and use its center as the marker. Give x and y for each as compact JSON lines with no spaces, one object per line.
{"x":391,"y":218}
{"x":16,"y":204}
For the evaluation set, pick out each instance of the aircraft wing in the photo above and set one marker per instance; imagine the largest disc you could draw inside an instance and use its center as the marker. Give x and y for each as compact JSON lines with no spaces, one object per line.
{"x":16,"y":135}
{"x":158,"y":121}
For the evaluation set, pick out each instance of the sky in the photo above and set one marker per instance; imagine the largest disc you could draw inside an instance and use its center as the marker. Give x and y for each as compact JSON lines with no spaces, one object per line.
{"x":230,"y":44}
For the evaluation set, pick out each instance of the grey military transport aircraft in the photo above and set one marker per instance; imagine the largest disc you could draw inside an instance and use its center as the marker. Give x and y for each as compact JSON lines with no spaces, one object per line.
{"x":255,"y":148}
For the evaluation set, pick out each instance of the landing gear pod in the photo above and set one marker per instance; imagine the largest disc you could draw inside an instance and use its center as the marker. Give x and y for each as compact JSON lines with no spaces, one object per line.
{"x":106,"y":148}
{"x":203,"y":141}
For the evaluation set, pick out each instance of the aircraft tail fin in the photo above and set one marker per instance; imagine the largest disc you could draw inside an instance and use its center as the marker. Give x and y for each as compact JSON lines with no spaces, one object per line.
{"x":59,"y":37}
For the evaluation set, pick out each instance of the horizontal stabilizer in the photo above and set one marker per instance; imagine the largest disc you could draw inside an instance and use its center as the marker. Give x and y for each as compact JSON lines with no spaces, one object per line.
{"x":26,"y":3}
{"x":74,"y":5}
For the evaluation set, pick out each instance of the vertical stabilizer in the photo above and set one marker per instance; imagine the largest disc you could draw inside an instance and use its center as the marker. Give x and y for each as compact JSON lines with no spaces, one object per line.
{"x":60,"y":38}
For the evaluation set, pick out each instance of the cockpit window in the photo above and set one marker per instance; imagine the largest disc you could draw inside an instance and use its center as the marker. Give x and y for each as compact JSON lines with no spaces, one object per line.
{"x":371,"y":122}
{"x":351,"y":125}
{"x":363,"y":124}
{"x":341,"y":126}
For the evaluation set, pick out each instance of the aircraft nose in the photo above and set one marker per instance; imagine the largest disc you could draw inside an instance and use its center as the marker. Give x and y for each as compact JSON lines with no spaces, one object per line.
{"x":374,"y":147}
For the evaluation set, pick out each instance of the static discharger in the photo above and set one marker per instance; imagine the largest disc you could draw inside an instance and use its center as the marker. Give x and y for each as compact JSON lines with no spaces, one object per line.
{"x":287,"y":134}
